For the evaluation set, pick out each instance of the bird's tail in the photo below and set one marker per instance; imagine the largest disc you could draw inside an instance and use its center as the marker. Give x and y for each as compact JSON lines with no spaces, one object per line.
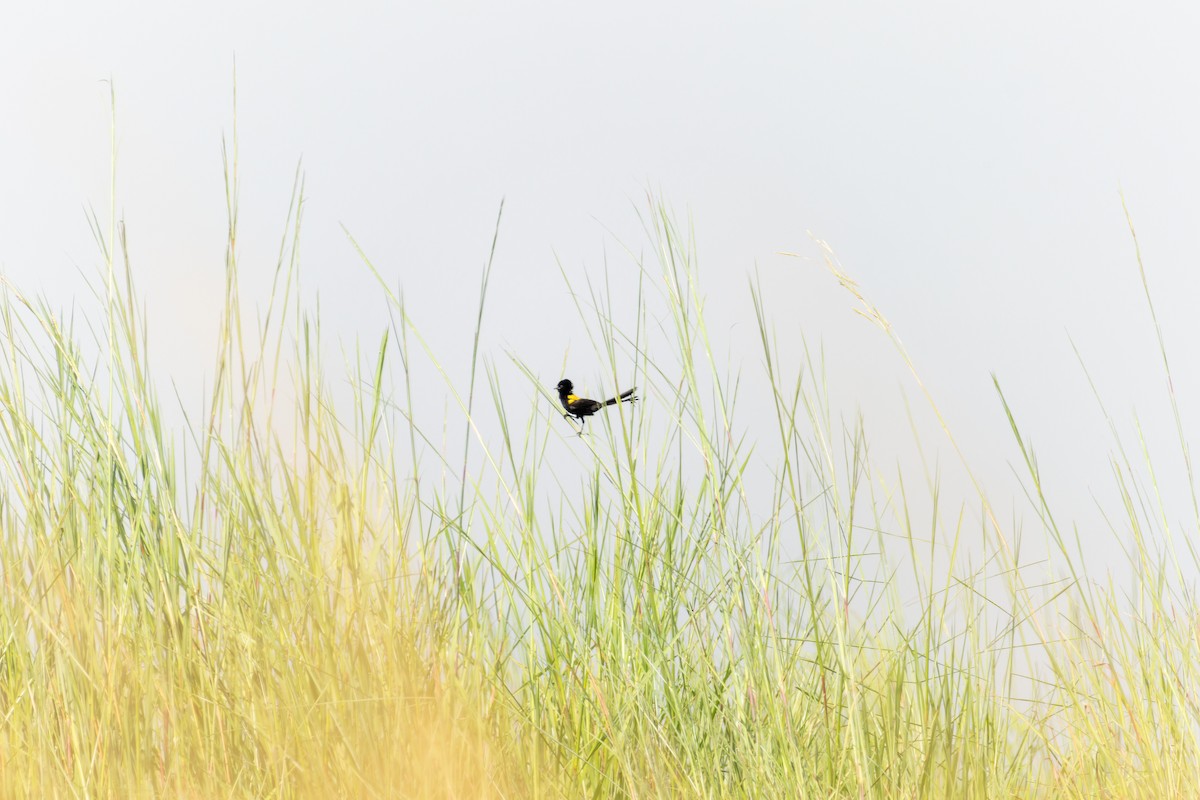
{"x":624,"y":397}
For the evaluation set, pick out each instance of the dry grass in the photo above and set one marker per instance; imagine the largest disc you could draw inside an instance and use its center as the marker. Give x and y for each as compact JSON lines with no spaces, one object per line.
{"x":302,"y":615}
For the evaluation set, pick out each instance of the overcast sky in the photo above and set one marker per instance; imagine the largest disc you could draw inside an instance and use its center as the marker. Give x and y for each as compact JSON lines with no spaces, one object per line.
{"x":964,"y":161}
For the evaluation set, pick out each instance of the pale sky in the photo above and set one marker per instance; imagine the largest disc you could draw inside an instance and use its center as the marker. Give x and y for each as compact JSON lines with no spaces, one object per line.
{"x":965,"y":162}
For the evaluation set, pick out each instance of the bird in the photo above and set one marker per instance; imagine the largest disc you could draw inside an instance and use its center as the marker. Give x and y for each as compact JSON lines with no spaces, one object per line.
{"x":581,"y":407}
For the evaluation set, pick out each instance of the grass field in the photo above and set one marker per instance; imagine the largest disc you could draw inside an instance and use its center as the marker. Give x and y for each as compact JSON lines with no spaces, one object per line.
{"x":304,"y":611}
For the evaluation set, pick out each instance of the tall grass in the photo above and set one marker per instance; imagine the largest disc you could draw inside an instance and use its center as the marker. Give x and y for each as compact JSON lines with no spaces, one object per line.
{"x":308,"y":612}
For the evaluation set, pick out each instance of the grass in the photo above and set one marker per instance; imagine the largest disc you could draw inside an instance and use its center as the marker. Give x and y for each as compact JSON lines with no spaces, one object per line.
{"x":311,"y":612}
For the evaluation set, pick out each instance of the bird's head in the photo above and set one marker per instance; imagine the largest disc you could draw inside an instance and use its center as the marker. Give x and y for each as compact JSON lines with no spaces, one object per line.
{"x":565,"y":386}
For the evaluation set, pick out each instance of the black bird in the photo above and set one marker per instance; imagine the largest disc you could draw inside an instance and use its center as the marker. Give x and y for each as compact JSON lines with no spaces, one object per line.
{"x":582,"y":407}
